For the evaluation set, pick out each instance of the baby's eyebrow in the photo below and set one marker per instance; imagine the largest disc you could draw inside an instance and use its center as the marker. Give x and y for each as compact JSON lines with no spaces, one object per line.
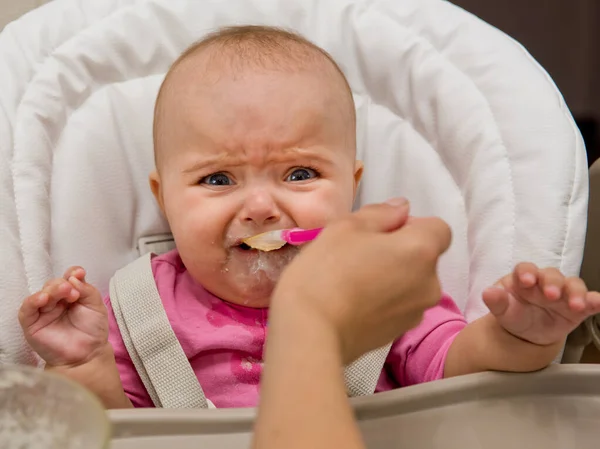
{"x":305,"y":155}
{"x":209,"y":162}
{"x":293,"y":155}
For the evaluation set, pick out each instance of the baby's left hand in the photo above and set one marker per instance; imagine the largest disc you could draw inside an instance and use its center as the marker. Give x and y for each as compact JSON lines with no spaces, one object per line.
{"x":540,"y":305}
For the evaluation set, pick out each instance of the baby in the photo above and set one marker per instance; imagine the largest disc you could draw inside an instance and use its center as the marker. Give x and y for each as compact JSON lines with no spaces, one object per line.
{"x":254,"y":130}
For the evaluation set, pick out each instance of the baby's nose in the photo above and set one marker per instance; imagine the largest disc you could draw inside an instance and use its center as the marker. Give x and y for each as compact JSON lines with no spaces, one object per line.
{"x":260,"y":208}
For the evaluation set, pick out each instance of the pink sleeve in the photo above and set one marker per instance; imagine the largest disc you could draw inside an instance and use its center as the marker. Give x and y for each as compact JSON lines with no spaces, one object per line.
{"x":132,"y":383}
{"x":419,"y":355}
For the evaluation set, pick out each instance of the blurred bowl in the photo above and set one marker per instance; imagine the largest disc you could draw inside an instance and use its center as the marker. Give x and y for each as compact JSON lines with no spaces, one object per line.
{"x":40,"y":410}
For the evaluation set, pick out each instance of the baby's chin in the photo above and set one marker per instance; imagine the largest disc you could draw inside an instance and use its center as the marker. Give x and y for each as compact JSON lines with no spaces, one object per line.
{"x":253,"y":275}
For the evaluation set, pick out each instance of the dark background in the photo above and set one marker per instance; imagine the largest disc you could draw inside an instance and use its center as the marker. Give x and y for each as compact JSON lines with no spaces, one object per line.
{"x":564,"y":36}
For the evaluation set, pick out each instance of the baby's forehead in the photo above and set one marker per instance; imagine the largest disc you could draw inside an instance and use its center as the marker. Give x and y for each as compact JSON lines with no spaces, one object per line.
{"x":202,"y":66}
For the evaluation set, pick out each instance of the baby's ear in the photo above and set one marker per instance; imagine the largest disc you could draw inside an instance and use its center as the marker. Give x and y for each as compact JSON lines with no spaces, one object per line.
{"x":358,"y":172}
{"x":156,"y":187}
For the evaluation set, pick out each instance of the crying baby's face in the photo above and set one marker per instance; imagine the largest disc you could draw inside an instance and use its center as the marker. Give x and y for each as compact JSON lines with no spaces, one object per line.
{"x":259,"y":151}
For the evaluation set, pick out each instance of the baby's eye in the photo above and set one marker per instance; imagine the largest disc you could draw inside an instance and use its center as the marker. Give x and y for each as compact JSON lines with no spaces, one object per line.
{"x":301,"y":174}
{"x":217,"y":179}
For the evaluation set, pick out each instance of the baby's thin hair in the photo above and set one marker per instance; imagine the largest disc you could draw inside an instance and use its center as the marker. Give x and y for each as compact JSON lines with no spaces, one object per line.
{"x":262,"y":46}
{"x":256,"y":46}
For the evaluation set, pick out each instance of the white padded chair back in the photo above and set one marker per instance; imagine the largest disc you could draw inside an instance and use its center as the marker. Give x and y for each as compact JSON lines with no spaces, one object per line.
{"x":452,"y":113}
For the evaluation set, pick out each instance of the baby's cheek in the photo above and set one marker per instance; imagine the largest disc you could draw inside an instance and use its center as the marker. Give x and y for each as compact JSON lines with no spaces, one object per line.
{"x":335,"y":209}
{"x":194,"y":233}
{"x":322,"y":208}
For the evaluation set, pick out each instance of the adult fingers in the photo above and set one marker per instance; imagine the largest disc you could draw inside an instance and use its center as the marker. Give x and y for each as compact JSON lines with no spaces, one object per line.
{"x":385,"y":217}
{"x":430,"y":236}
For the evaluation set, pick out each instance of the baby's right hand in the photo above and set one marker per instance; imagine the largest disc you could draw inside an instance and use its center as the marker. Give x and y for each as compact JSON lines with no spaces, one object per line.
{"x":66,"y":323}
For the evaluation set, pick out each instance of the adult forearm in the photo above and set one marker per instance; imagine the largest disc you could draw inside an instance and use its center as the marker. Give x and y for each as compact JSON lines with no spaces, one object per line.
{"x":100,"y":376}
{"x":303,"y":398}
{"x":484,"y":345}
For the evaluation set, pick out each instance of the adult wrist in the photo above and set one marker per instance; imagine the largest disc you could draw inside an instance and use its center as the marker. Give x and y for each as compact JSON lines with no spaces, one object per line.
{"x":294,"y":318}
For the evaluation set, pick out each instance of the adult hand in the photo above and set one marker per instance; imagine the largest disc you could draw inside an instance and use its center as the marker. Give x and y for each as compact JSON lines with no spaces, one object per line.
{"x":369,"y":276}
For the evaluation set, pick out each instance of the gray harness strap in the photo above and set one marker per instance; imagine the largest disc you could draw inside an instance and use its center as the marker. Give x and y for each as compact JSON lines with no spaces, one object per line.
{"x":362,"y":375}
{"x":150,"y":340}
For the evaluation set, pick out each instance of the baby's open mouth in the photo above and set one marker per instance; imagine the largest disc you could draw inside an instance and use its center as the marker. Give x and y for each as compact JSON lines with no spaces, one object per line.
{"x":245,"y":247}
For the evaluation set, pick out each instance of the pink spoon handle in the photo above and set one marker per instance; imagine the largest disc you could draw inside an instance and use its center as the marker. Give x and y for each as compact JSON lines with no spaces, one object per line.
{"x":300,"y":236}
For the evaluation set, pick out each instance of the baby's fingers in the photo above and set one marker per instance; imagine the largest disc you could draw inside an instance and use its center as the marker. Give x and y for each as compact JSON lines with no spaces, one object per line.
{"x":496,"y":299}
{"x":552,"y":282}
{"x":82,"y":287}
{"x":576,"y":294}
{"x":75,"y":271}
{"x":526,"y":275}
{"x":30,"y":309}
{"x":593,"y":303}
{"x":57,"y":290}
{"x":89,"y":295}
{"x":593,"y":299}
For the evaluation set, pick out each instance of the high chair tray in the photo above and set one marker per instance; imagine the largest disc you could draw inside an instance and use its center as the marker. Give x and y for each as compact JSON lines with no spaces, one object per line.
{"x":558,"y":408}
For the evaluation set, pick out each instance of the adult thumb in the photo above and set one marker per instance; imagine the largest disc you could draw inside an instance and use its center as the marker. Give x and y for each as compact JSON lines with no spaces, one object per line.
{"x":384,"y":217}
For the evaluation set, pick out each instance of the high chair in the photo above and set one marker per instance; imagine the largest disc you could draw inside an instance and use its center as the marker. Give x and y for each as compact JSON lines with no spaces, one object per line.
{"x":452,"y":114}
{"x":584,"y":342}
{"x":590,"y":271}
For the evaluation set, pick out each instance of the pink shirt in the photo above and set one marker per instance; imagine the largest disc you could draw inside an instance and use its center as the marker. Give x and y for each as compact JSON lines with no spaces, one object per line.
{"x":224,"y":342}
